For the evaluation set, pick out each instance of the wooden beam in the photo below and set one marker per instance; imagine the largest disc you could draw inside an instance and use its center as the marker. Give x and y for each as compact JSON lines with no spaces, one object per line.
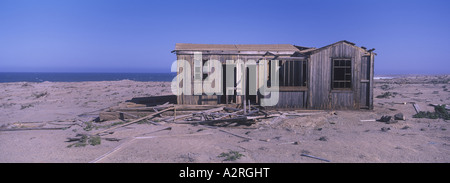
{"x":134,"y":121}
{"x":236,"y":119}
{"x":23,"y":129}
{"x":179,"y":108}
{"x":187,"y":115}
{"x":416,"y":107}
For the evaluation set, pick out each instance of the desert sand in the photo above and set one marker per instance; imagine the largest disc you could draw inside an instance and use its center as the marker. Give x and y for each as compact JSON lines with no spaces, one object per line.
{"x":337,"y":136}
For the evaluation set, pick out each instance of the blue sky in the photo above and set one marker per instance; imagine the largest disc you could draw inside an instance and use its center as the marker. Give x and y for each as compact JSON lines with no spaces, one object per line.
{"x":410,"y":37}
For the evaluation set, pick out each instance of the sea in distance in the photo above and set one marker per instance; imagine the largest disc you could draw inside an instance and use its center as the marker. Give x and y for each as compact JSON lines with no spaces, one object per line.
{"x":6,"y":77}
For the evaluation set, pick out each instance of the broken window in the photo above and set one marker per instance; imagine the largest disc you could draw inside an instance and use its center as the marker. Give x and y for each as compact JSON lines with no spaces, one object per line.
{"x":292,"y":73}
{"x":342,"y":74}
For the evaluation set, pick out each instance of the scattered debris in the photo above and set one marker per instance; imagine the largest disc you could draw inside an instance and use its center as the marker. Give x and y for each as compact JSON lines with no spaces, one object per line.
{"x":166,"y":128}
{"x":385,"y":129}
{"x":40,"y":94}
{"x":314,"y":157}
{"x":416,"y":107}
{"x":387,"y":119}
{"x":405,"y":127}
{"x":404,"y":103}
{"x":399,"y":116}
{"x":26,"y":106}
{"x":222,"y":119}
{"x":385,"y":87}
{"x":387,"y":95}
{"x":323,"y":138}
{"x":245,"y":138}
{"x":293,"y":143}
{"x":135,"y":121}
{"x":112,"y":139}
{"x":367,"y":120}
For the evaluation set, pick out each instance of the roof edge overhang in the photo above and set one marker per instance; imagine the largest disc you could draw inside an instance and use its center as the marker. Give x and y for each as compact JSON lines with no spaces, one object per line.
{"x":232,"y":49}
{"x":312,"y":51}
{"x":222,"y":52}
{"x":236,"y":47}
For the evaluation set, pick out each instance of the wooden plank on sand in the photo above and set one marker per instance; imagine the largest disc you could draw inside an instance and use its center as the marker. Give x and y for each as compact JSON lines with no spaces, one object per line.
{"x":135,"y":121}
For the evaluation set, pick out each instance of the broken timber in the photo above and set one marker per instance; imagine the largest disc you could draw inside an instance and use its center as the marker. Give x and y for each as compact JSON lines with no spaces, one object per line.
{"x":416,"y":107}
{"x":124,"y":113}
{"x":135,"y":121}
{"x":314,"y":157}
{"x":240,"y":120}
{"x":23,"y":129}
{"x":236,"y":119}
{"x":214,"y":115}
{"x":188,"y":115}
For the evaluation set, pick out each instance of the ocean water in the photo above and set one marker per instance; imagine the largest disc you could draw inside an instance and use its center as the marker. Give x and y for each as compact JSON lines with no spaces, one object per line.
{"x":78,"y":77}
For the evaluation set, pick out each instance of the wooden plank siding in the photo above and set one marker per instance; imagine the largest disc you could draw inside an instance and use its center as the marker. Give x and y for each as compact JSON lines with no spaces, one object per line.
{"x":365,"y":82}
{"x":372,"y":59}
{"x":204,"y":99}
{"x":321,"y":95}
{"x":318,"y":92}
{"x":291,"y":99}
{"x":286,"y":97}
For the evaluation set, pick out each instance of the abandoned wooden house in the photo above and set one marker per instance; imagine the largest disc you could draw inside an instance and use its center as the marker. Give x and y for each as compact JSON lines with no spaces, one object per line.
{"x":336,"y":76}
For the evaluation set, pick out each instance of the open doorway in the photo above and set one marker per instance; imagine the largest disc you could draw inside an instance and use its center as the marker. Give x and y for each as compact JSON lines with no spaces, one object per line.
{"x":228,"y":99}
{"x":250,"y":85}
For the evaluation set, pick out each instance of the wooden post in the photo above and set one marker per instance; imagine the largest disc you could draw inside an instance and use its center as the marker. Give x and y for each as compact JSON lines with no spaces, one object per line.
{"x":174,"y":113}
{"x":249,"y":107}
{"x":245,"y":106}
{"x":244,"y":88}
{"x":417,"y":108}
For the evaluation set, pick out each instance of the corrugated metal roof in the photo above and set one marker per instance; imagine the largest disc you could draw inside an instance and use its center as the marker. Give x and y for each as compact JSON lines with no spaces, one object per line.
{"x":233,"y":47}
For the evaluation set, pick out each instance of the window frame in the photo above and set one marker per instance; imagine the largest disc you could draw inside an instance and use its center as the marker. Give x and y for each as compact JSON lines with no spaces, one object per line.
{"x":333,"y":67}
{"x":305,"y":66}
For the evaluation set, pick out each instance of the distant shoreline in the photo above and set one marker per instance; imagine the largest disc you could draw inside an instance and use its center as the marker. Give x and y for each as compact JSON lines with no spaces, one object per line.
{"x":8,"y":77}
{"x":39,"y":77}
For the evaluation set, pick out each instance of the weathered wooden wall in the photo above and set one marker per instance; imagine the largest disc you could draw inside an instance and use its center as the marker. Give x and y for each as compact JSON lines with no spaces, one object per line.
{"x":203,"y":99}
{"x":365,"y":82}
{"x":318,"y":94}
{"x":291,"y":99}
{"x":287,"y":99}
{"x":321,"y":95}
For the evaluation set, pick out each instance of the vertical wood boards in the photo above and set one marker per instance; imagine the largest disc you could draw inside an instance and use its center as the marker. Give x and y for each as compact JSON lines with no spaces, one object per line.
{"x":365,"y":82}
{"x":318,"y":94}
{"x":321,"y":94}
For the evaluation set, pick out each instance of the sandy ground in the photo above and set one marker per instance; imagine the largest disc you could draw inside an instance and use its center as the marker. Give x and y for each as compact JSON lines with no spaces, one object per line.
{"x":338,"y":136}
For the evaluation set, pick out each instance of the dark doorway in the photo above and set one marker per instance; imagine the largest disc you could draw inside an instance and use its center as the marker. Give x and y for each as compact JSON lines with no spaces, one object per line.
{"x":227,"y":99}
{"x":248,"y":81}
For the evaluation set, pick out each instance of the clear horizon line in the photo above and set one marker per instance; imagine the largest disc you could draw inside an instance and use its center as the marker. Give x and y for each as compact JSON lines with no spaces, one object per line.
{"x":81,"y":72}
